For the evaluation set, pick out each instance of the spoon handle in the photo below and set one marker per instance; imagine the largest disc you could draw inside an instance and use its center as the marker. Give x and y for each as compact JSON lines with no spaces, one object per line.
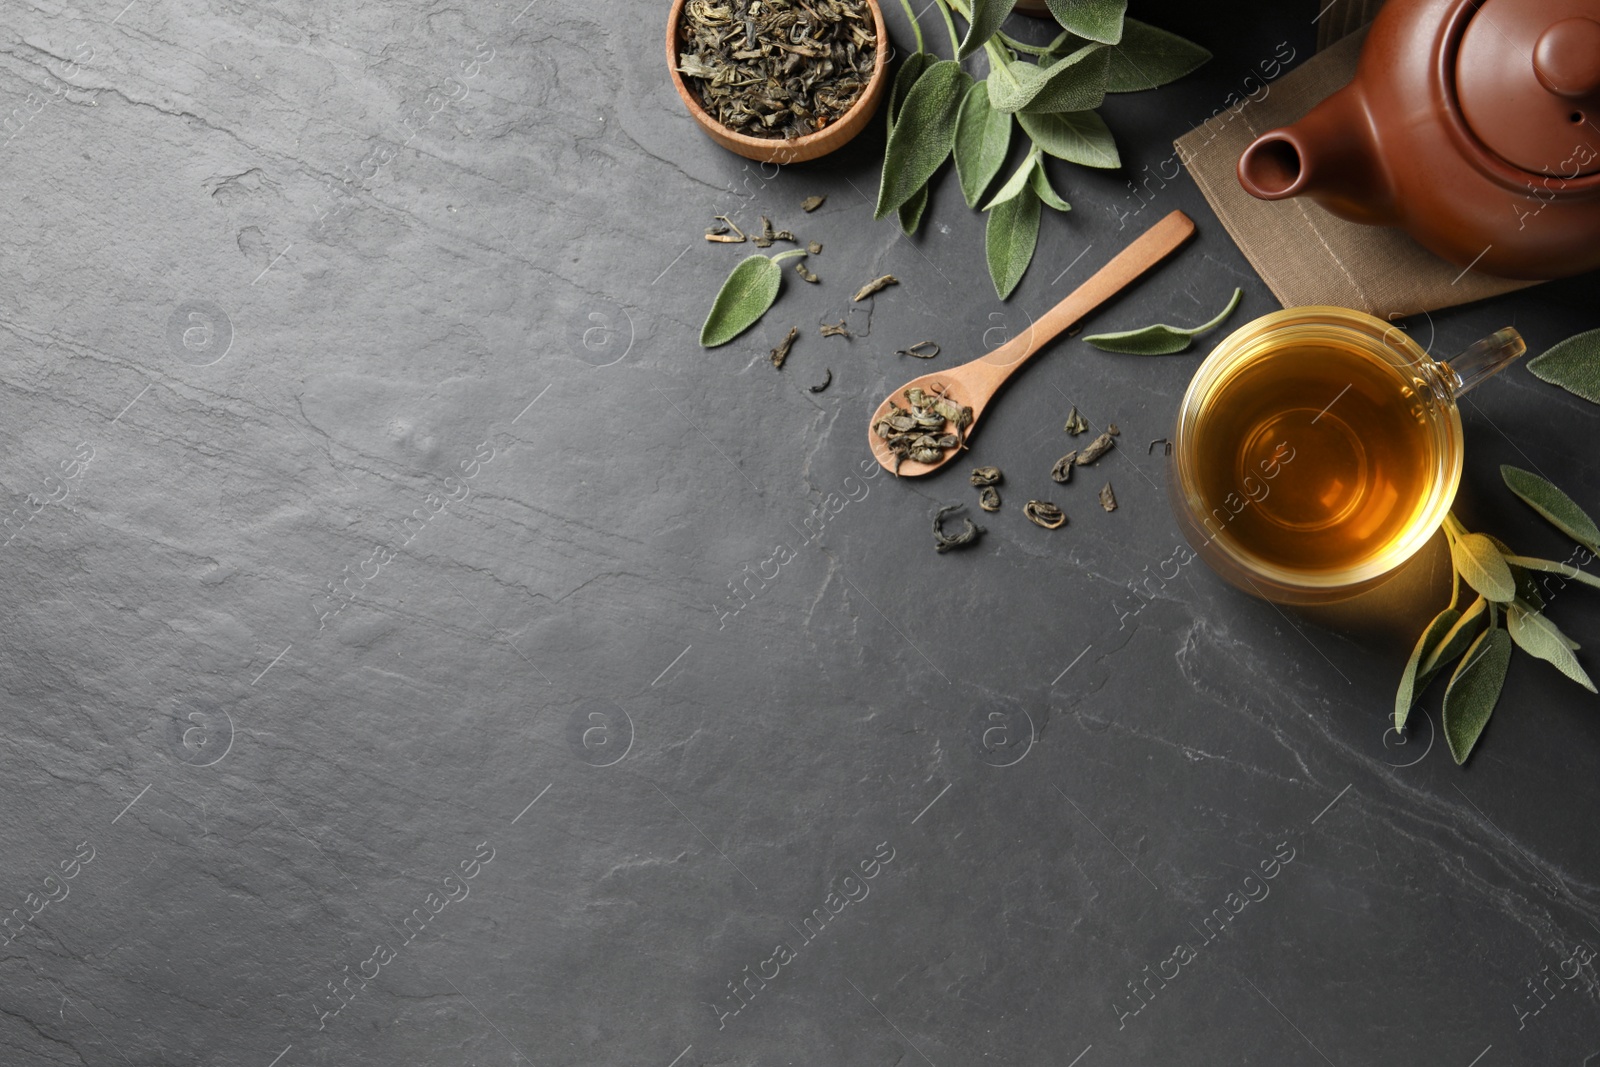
{"x":1150,"y":248}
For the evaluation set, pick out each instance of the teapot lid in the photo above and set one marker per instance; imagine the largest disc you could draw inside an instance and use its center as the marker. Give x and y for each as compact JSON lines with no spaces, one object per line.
{"x":1528,"y":81}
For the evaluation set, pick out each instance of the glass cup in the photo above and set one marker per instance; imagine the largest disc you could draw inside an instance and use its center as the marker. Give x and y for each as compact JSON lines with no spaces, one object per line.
{"x":1318,"y":448}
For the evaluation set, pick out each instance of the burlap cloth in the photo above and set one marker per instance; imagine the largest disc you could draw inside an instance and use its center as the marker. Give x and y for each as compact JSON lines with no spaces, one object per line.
{"x":1304,"y":254}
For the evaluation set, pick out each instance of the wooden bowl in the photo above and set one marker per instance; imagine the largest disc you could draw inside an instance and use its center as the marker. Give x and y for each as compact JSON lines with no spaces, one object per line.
{"x":777,"y":149}
{"x":1036,"y":8}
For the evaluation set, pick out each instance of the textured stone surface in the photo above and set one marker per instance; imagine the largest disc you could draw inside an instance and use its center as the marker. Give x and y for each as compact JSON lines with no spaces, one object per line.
{"x":318,"y":317}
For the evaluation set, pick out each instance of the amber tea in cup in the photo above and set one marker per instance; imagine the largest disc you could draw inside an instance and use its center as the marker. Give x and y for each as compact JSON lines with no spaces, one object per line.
{"x":1317,"y":449}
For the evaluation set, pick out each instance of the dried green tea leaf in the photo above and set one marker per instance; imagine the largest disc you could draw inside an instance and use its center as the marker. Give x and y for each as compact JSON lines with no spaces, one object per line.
{"x":1076,"y":82}
{"x":835,"y":329}
{"x":1062,"y":471}
{"x":781,"y":353}
{"x":1406,"y":694}
{"x":805,"y":272}
{"x":1097,"y":448}
{"x":923,"y":134}
{"x":874,"y":286}
{"x":1557,"y":507}
{"x":1076,"y":423}
{"x":1147,"y":57}
{"x":1111,"y":428}
{"x":1098,"y":20}
{"x":982,"y":476}
{"x":1108,"y":499}
{"x":1075,"y":136}
{"x":1483,"y":567}
{"x":1009,"y":240}
{"x":1474,"y":690}
{"x":987,"y":15}
{"x":967,"y":535}
{"x":815,"y":248}
{"x":989,"y":498}
{"x":983,"y":136}
{"x":743,"y":299}
{"x":1160,"y":339}
{"x":1041,"y":185}
{"x":922,"y":350}
{"x":1543,"y":639}
{"x":1573,"y":364}
{"x":827,"y":380}
{"x":1043,"y":513}
{"x":910,"y":212}
{"x":811,"y":203}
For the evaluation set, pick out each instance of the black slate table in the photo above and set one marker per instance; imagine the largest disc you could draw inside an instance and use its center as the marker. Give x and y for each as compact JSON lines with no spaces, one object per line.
{"x":417,"y":650}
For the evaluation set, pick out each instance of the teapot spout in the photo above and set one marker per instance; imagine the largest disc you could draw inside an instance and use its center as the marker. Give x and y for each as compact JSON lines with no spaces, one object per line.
{"x":1330,"y":155}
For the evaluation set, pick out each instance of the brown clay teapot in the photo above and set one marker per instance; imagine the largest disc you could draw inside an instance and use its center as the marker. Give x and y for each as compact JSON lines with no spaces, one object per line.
{"x":1473,"y":125}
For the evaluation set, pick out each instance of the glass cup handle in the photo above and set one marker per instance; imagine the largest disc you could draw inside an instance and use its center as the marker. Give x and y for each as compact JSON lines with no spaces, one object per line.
{"x":1482,"y":360}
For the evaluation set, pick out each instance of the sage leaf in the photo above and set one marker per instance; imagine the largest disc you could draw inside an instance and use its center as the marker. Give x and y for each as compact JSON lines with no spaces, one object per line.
{"x":1040,"y":181}
{"x":1406,"y":694}
{"x":1573,"y":364}
{"x":1482,"y":566}
{"x":905,"y":78}
{"x":922,"y":135}
{"x":1454,"y":642}
{"x":1527,"y":589}
{"x":1014,"y":184}
{"x":983,"y":136}
{"x":1147,"y":57}
{"x":987,"y":15}
{"x":1075,"y":136}
{"x":1160,"y":339}
{"x":910,"y":212}
{"x":1554,"y":505}
{"x":1539,"y":637}
{"x":1098,"y":20}
{"x":744,"y":298}
{"x":1009,"y":240}
{"x":1076,"y":82}
{"x":1474,"y":690}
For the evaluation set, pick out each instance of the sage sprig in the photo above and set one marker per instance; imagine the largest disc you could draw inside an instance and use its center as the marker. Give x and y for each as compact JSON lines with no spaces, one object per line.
{"x":1049,"y":91}
{"x":747,"y":294}
{"x":1160,"y":339}
{"x":1477,"y":636}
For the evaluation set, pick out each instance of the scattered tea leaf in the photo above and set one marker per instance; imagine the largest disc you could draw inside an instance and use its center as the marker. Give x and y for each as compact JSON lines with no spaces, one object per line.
{"x":1043,"y":513}
{"x":967,"y":535}
{"x":1062,"y":471}
{"x":989,"y":498}
{"x":1474,"y":690}
{"x":811,"y":203}
{"x":1160,"y":339}
{"x":1539,"y":637}
{"x":874,"y":286}
{"x":983,"y":136}
{"x":1009,"y":240}
{"x":1147,"y":57}
{"x":1097,"y":448}
{"x":1573,"y":364}
{"x":805,"y":272}
{"x":1557,"y":507}
{"x":910,"y":212}
{"x":984,"y":476}
{"x":1482,"y":566}
{"x":1076,"y":423}
{"x":922,"y":350}
{"x":1098,"y":20}
{"x":987,"y":15}
{"x":815,"y":248}
{"x":781,"y":353}
{"x":923,"y":134}
{"x":1111,"y":428}
{"x":1075,"y":136}
{"x":744,"y":298}
{"x":1406,"y":694}
{"x":827,"y":380}
{"x":835,"y":329}
{"x":1108,"y":499}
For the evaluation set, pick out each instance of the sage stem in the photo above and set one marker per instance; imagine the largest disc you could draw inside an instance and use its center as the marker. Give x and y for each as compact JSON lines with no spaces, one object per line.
{"x":916,"y":29}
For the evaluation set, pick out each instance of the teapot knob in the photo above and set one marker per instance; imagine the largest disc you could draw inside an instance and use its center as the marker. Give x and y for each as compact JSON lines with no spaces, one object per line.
{"x":1566,"y":58}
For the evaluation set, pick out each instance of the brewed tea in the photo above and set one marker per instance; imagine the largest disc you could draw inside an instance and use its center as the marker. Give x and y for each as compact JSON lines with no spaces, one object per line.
{"x":1315,"y":457}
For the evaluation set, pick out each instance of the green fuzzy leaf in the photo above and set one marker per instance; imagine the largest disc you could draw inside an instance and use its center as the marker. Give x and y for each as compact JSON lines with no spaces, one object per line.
{"x":1527,"y":588}
{"x":1573,"y":364}
{"x":1012,"y":233}
{"x":1474,"y":691}
{"x":983,"y":136}
{"x":1554,"y":505}
{"x":1040,"y":181}
{"x":1543,"y":639}
{"x":923,"y":134}
{"x":909,"y":72}
{"x":910,"y":212}
{"x":743,"y":298}
{"x":1014,"y":184}
{"x":1098,"y":20}
{"x":1454,"y":642}
{"x":1074,"y":83}
{"x":1160,"y":339}
{"x":1483,"y":567}
{"x":1075,"y":136}
{"x":987,"y":15}
{"x":1406,"y":694}
{"x":1147,"y":57}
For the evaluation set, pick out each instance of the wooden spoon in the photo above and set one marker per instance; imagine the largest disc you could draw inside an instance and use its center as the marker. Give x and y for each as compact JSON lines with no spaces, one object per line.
{"x":975,"y":384}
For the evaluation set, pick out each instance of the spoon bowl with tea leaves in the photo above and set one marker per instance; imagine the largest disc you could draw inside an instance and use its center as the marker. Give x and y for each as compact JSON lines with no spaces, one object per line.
{"x":926,"y":423}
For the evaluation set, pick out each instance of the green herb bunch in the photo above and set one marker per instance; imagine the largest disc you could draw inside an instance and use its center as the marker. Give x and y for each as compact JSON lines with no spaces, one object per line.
{"x":1509,"y":608}
{"x":936,"y":110}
